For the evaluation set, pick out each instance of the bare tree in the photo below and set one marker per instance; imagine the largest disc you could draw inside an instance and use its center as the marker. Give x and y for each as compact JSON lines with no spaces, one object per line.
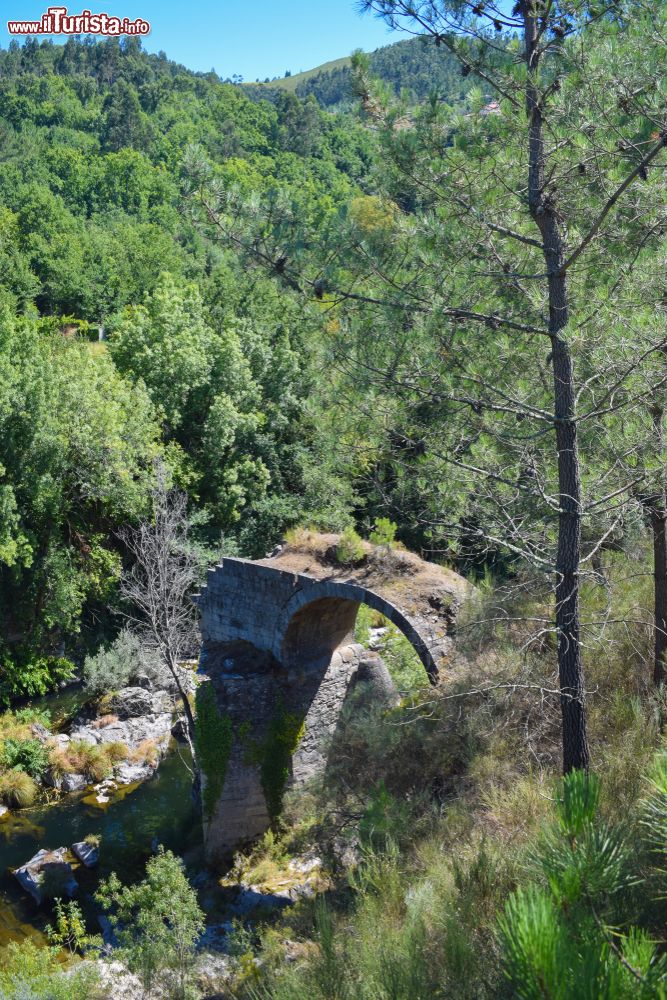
{"x":158,"y":586}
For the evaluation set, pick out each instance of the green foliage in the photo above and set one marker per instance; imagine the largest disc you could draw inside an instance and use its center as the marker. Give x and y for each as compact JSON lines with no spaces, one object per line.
{"x":554,"y":937}
{"x":384,"y":817}
{"x":655,"y":813}
{"x":31,"y":756}
{"x":350,"y":548}
{"x":115,"y":666}
{"x":69,"y":930}
{"x":33,"y":678}
{"x":398,"y":653}
{"x":284,"y":733}
{"x":214,"y":738}
{"x":76,"y":445}
{"x":415,"y":67}
{"x":158,"y":922}
{"x":384,"y":532}
{"x":29,"y":972}
{"x":29,"y":715}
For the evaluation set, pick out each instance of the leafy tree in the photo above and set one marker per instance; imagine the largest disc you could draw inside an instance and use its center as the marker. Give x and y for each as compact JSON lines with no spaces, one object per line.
{"x":124,"y":123}
{"x":158,"y":922}
{"x":77,"y":444}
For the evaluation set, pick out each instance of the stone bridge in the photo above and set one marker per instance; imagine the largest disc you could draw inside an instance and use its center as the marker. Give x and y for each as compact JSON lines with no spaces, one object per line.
{"x":279,"y":652}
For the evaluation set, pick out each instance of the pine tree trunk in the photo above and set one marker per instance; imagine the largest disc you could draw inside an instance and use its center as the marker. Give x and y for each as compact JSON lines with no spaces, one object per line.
{"x":543,"y":212}
{"x":570,"y":667}
{"x":659,"y":528}
{"x":656,"y":504}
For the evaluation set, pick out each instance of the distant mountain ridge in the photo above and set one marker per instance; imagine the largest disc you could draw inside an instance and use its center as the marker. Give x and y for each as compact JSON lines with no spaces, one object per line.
{"x":414,"y":65}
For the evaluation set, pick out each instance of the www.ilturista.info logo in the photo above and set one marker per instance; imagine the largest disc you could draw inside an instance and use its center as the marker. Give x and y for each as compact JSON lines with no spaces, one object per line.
{"x":56,"y":21}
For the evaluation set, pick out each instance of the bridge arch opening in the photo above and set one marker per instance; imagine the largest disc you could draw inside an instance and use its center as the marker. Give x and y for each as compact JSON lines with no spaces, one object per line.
{"x":315,"y":625}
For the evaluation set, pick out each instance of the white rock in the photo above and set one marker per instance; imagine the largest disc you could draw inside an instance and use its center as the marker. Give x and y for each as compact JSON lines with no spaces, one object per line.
{"x":115,"y":981}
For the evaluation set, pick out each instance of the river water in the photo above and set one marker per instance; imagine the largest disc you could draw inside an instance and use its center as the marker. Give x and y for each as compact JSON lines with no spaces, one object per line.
{"x":131,"y":825}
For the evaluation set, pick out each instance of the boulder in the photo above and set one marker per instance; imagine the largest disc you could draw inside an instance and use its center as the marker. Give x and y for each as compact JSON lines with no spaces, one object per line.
{"x":4,"y":811}
{"x":108,"y":933}
{"x":132,"y":702}
{"x":50,"y":867}
{"x":213,"y":975}
{"x":86,"y":853}
{"x":376,"y":681}
{"x":128,"y":774}
{"x":132,"y":731}
{"x":73,"y":783}
{"x":216,"y":938}
{"x":115,"y":981}
{"x":251,"y":900}
{"x":40,"y":732}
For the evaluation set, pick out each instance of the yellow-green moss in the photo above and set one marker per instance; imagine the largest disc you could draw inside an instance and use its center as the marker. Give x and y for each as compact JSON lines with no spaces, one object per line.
{"x":283,"y":736}
{"x":273,"y":755}
{"x":214,"y":739}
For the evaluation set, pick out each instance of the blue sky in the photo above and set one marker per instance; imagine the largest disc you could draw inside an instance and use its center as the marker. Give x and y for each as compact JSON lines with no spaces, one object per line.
{"x":258,"y":38}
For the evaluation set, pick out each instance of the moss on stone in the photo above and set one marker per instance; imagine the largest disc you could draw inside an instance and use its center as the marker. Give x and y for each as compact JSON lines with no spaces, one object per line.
{"x":273,"y":755}
{"x":214,"y":737}
{"x":283,"y":736}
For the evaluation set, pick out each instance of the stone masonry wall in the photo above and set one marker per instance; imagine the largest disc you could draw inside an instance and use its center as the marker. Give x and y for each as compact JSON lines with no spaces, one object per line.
{"x":278,"y":641}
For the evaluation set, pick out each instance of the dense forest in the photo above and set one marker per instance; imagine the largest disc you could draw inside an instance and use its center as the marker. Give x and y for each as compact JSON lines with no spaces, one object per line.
{"x":417,"y":304}
{"x":203,"y":363}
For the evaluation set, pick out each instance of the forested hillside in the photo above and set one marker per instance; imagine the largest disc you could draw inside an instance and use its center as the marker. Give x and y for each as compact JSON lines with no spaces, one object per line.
{"x":203,"y":363}
{"x":415,"y":67}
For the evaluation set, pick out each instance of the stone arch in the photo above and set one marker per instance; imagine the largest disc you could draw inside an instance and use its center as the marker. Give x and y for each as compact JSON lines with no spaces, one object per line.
{"x":278,"y":637}
{"x":318,"y":619}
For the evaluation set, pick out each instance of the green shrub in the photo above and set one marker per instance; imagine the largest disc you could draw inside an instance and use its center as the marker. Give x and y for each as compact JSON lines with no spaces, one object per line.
{"x":114,"y":667}
{"x":69,"y":930}
{"x":17,"y":789}
{"x":31,"y":973}
{"x":560,"y":936}
{"x":31,"y":756}
{"x":654,"y":816}
{"x":30,"y":715}
{"x":350,"y":548}
{"x":33,"y":678}
{"x":158,"y":922}
{"x":384,"y":532}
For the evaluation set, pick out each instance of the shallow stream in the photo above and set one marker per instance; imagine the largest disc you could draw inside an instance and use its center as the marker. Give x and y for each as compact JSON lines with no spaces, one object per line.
{"x":131,"y":825}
